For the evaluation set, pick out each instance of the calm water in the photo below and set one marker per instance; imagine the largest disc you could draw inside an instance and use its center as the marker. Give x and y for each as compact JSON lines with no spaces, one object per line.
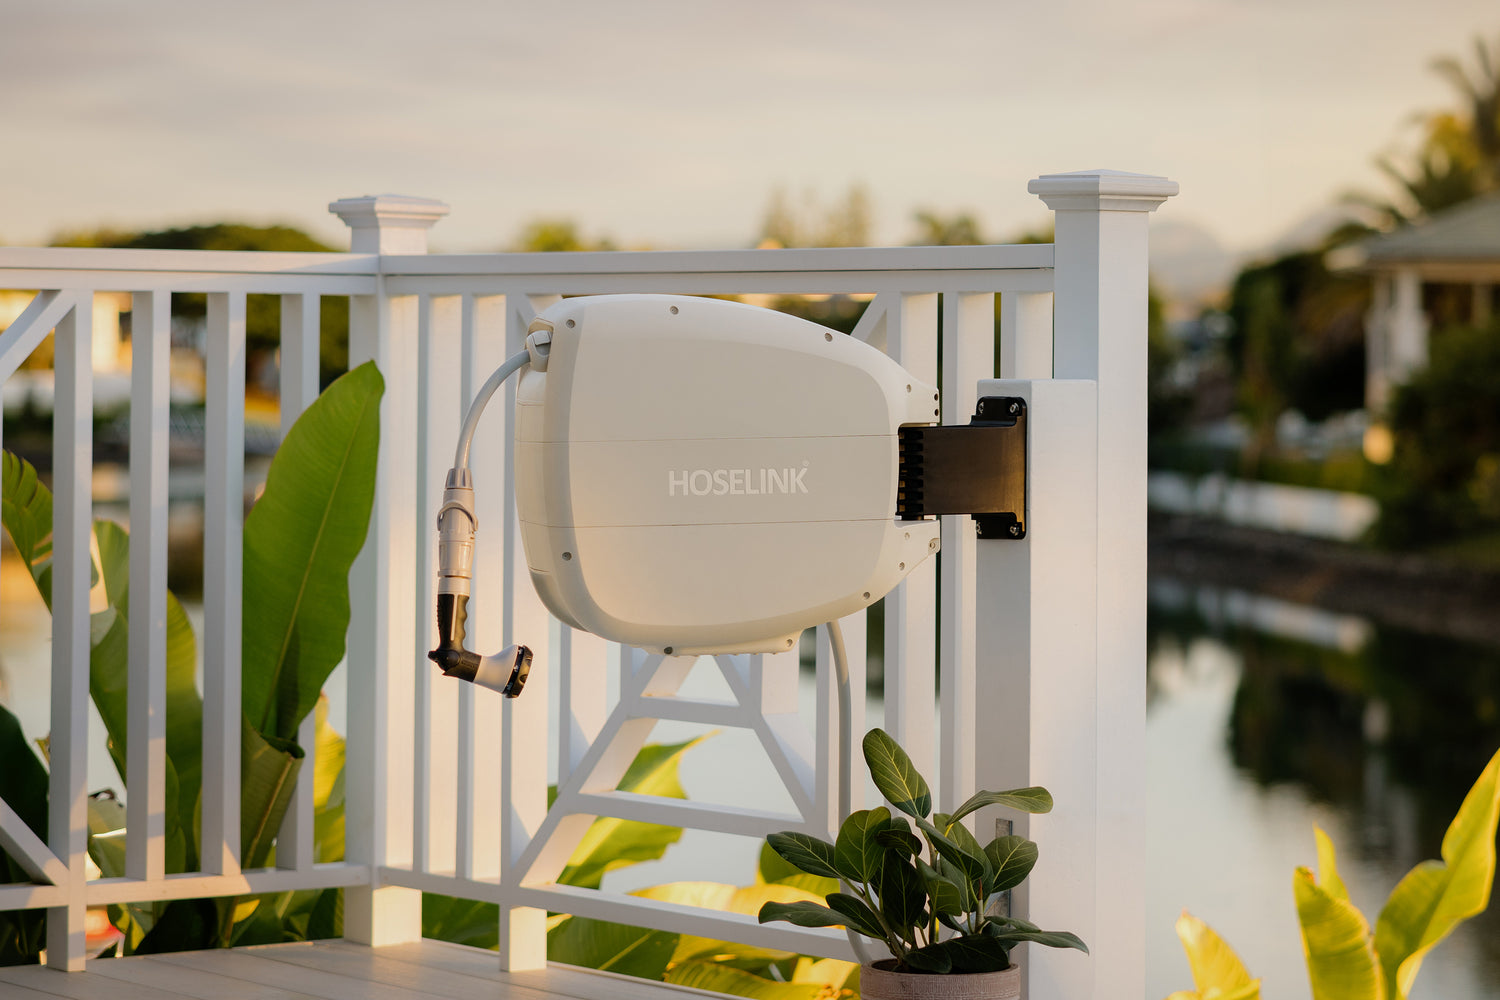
{"x":1264,"y":719}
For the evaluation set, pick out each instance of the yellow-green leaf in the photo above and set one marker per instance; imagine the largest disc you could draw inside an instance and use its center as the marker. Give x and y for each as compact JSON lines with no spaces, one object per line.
{"x":1328,"y":869}
{"x":1341,"y":960}
{"x":723,"y":979}
{"x":1217,"y":970}
{"x":1437,"y":896}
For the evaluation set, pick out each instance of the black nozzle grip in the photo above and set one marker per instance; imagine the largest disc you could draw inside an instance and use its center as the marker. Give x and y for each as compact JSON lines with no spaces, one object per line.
{"x":452,"y":613}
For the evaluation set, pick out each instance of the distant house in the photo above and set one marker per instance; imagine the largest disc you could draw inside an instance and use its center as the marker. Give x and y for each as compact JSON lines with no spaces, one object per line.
{"x":1436,"y":273}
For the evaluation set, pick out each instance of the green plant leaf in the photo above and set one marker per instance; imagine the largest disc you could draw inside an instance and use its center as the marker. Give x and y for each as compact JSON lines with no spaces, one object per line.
{"x":950,"y":896}
{"x":27,"y":515}
{"x":23,"y":787}
{"x":26,"y":509}
{"x":774,"y":868}
{"x":1217,"y":970}
{"x":857,"y":852}
{"x":902,"y":841}
{"x":328,"y":788}
{"x":903,"y":897}
{"x":1012,"y":858}
{"x":109,"y":681}
{"x":463,"y":921}
{"x":803,"y":913}
{"x":728,"y":899}
{"x":857,"y":914}
{"x":804,"y":852}
{"x":1341,"y":959}
{"x":611,"y":947}
{"x":966,"y":841}
{"x":612,"y":843}
{"x":1052,"y":939}
{"x":1437,"y":896}
{"x":975,"y":869}
{"x":723,"y":979}
{"x":268,"y":777}
{"x":970,"y":953}
{"x":895,"y":775}
{"x":1031,"y":800}
{"x":300,"y":540}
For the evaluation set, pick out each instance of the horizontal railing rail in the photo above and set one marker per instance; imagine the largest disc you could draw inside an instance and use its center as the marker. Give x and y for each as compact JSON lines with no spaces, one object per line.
{"x":455,"y":317}
{"x":446,"y":785}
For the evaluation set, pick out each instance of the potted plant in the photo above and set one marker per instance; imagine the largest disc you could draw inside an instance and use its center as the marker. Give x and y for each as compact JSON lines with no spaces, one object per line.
{"x":933,"y":914}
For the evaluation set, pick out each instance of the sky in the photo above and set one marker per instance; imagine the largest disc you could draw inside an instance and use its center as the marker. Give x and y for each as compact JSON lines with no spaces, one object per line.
{"x":668,"y":123}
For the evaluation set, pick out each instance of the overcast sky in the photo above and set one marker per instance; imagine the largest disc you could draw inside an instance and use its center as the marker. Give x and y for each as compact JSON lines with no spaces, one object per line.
{"x":668,"y":122}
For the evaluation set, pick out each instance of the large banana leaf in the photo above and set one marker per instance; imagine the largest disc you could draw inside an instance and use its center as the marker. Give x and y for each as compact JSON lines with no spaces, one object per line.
{"x":611,"y":947}
{"x":612,"y":843}
{"x":23,"y":787}
{"x":730,"y":899}
{"x":1437,"y":896}
{"x":300,"y":541}
{"x":725,"y":979}
{"x":1341,"y":959}
{"x":109,"y":677}
{"x":27,"y":517}
{"x":1218,"y":972}
{"x":268,"y":775}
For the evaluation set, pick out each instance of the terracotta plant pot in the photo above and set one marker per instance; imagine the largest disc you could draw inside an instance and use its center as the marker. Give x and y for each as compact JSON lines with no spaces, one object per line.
{"x":878,"y":982}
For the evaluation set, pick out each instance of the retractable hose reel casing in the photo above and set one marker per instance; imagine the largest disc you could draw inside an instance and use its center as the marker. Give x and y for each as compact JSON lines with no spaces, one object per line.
{"x":700,"y":476}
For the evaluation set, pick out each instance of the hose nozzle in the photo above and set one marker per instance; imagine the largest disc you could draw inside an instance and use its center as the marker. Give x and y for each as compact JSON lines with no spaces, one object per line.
{"x":506,"y":671}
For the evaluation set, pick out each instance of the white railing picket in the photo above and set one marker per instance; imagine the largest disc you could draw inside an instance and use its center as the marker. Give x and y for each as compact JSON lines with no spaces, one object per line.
{"x":72,"y":509}
{"x":301,"y":327}
{"x":146,"y":724}
{"x":434,"y":819}
{"x":911,"y":336}
{"x":223,"y":531}
{"x":968,"y":356}
{"x":523,"y":790}
{"x":483,"y":340}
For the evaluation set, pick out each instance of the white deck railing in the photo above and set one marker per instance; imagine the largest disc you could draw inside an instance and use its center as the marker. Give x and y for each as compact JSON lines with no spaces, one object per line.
{"x":446,"y":785}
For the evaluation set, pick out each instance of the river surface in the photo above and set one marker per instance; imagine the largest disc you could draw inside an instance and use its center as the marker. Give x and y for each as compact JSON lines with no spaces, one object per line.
{"x":1264,"y":719}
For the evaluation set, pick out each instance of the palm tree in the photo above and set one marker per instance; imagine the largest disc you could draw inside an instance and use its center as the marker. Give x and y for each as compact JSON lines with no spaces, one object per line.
{"x":1459,"y":157}
{"x":1482,"y":91}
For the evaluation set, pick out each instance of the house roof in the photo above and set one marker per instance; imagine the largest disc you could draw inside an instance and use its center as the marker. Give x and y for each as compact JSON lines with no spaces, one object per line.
{"x":1469,"y":232}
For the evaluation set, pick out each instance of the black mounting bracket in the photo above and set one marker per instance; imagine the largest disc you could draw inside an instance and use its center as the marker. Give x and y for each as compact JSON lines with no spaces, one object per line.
{"x":977,"y":468}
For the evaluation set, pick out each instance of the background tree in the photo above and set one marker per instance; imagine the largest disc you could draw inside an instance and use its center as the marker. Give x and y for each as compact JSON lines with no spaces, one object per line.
{"x":934,"y":230}
{"x":1444,"y":479}
{"x":556,"y":235}
{"x":1297,"y":343}
{"x":1458,"y":157}
{"x":262,"y":312}
{"x":845,"y":223}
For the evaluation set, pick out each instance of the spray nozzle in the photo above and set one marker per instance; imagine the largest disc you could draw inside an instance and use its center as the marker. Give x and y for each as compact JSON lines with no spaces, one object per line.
{"x":505,"y":672}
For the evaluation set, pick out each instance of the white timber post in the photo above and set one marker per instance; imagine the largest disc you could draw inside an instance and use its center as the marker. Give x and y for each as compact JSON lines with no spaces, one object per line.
{"x":382,"y":586}
{"x":1061,"y":643}
{"x":1408,"y":327}
{"x":1377,"y":345}
{"x":1100,"y":288}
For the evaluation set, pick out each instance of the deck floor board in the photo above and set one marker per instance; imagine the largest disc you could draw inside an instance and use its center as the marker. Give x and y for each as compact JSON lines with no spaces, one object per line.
{"x":326,"y":970}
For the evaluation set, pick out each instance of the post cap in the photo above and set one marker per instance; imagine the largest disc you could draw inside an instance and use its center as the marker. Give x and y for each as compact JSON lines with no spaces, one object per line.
{"x":388,"y":223}
{"x":1103,"y":191}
